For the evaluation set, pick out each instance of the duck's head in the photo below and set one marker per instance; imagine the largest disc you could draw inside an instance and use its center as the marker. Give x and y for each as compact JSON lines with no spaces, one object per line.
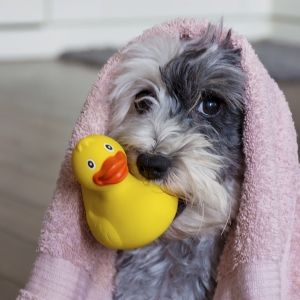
{"x":98,"y":160}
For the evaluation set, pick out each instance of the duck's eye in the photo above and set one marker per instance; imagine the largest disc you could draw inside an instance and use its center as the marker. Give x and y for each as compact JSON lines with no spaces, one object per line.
{"x":91,"y":164}
{"x":143,"y":101}
{"x":108,"y":147}
{"x":210,"y":105}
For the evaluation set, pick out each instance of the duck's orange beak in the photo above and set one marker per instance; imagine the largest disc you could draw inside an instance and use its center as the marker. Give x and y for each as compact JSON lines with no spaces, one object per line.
{"x":114,"y":169}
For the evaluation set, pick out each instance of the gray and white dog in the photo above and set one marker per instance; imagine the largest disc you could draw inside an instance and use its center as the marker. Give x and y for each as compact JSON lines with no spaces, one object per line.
{"x":178,"y":110}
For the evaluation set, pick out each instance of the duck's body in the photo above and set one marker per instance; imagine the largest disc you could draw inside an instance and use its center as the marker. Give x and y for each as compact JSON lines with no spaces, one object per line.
{"x":122,"y":212}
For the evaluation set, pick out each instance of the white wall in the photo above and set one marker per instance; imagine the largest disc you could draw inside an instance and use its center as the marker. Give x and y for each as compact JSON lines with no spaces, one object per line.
{"x":286,"y":21}
{"x":16,"y":12}
{"x":34,"y":29}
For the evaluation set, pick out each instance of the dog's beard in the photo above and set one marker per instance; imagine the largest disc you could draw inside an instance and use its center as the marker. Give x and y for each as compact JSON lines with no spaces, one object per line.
{"x":205,"y":151}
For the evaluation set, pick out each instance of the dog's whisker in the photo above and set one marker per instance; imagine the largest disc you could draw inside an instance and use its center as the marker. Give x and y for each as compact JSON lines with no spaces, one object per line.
{"x":202,"y":216}
{"x":227,"y":222}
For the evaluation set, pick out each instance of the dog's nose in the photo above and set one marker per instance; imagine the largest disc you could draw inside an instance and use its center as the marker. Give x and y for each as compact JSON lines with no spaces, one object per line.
{"x":153,"y":166}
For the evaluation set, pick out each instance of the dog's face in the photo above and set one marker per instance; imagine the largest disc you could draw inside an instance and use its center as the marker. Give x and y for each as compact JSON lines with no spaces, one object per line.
{"x":177,"y":109}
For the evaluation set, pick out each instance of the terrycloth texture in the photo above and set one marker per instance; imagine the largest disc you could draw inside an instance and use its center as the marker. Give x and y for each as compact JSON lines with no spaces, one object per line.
{"x":260,"y":260}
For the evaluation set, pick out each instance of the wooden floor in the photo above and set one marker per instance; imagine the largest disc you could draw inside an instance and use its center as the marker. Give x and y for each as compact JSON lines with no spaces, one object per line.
{"x":39,"y":105}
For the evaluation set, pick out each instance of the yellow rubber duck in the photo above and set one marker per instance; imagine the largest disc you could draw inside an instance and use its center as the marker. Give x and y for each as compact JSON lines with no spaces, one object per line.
{"x":122,"y":212}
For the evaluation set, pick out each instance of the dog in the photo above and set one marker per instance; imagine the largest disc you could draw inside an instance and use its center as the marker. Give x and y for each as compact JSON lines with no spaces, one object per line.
{"x":178,"y":111}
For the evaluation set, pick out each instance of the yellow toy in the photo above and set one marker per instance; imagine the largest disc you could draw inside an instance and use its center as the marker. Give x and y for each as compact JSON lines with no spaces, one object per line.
{"x":122,"y":212}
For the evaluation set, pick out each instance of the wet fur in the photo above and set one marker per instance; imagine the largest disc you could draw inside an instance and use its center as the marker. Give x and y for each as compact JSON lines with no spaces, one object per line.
{"x":205,"y":153}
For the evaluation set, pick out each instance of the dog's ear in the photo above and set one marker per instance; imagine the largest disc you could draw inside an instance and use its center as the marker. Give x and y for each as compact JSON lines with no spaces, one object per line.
{"x":208,"y":63}
{"x":138,"y":71}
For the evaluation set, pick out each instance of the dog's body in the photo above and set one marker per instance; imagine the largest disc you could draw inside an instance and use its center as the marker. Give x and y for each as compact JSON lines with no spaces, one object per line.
{"x":177,"y":109}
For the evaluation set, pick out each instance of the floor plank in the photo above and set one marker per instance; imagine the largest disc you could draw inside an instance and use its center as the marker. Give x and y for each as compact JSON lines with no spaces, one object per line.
{"x":19,"y":257}
{"x":26,"y":226}
{"x":8,"y":290}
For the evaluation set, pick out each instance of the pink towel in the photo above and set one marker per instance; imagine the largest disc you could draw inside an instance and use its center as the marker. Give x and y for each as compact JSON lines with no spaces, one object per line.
{"x":260,"y":260}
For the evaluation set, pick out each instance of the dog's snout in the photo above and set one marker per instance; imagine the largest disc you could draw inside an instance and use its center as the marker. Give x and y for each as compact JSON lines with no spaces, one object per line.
{"x":153,"y":166}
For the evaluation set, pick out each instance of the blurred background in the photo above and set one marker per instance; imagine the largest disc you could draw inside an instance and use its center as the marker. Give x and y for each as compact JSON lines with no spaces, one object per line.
{"x":50,"y":54}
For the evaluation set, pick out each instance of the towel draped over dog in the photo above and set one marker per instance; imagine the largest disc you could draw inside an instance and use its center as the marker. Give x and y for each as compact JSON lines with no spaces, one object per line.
{"x":261,"y":259}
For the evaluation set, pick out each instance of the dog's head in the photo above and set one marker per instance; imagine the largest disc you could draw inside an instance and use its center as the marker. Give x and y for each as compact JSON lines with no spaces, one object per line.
{"x":177,"y":109}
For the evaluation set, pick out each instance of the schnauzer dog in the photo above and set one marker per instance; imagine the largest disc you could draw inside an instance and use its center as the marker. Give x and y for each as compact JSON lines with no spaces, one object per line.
{"x":178,"y":111}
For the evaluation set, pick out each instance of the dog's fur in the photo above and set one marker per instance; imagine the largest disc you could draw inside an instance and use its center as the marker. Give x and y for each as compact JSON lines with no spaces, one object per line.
{"x":162,"y":100}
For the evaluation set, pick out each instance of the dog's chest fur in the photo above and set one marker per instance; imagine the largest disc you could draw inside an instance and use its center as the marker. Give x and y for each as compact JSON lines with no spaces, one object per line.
{"x":163,"y":270}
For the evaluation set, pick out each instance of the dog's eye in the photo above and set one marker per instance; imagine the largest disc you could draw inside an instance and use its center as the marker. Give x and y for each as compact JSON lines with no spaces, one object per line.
{"x":143,"y":101}
{"x":210,"y":105}
{"x":143,"y":105}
